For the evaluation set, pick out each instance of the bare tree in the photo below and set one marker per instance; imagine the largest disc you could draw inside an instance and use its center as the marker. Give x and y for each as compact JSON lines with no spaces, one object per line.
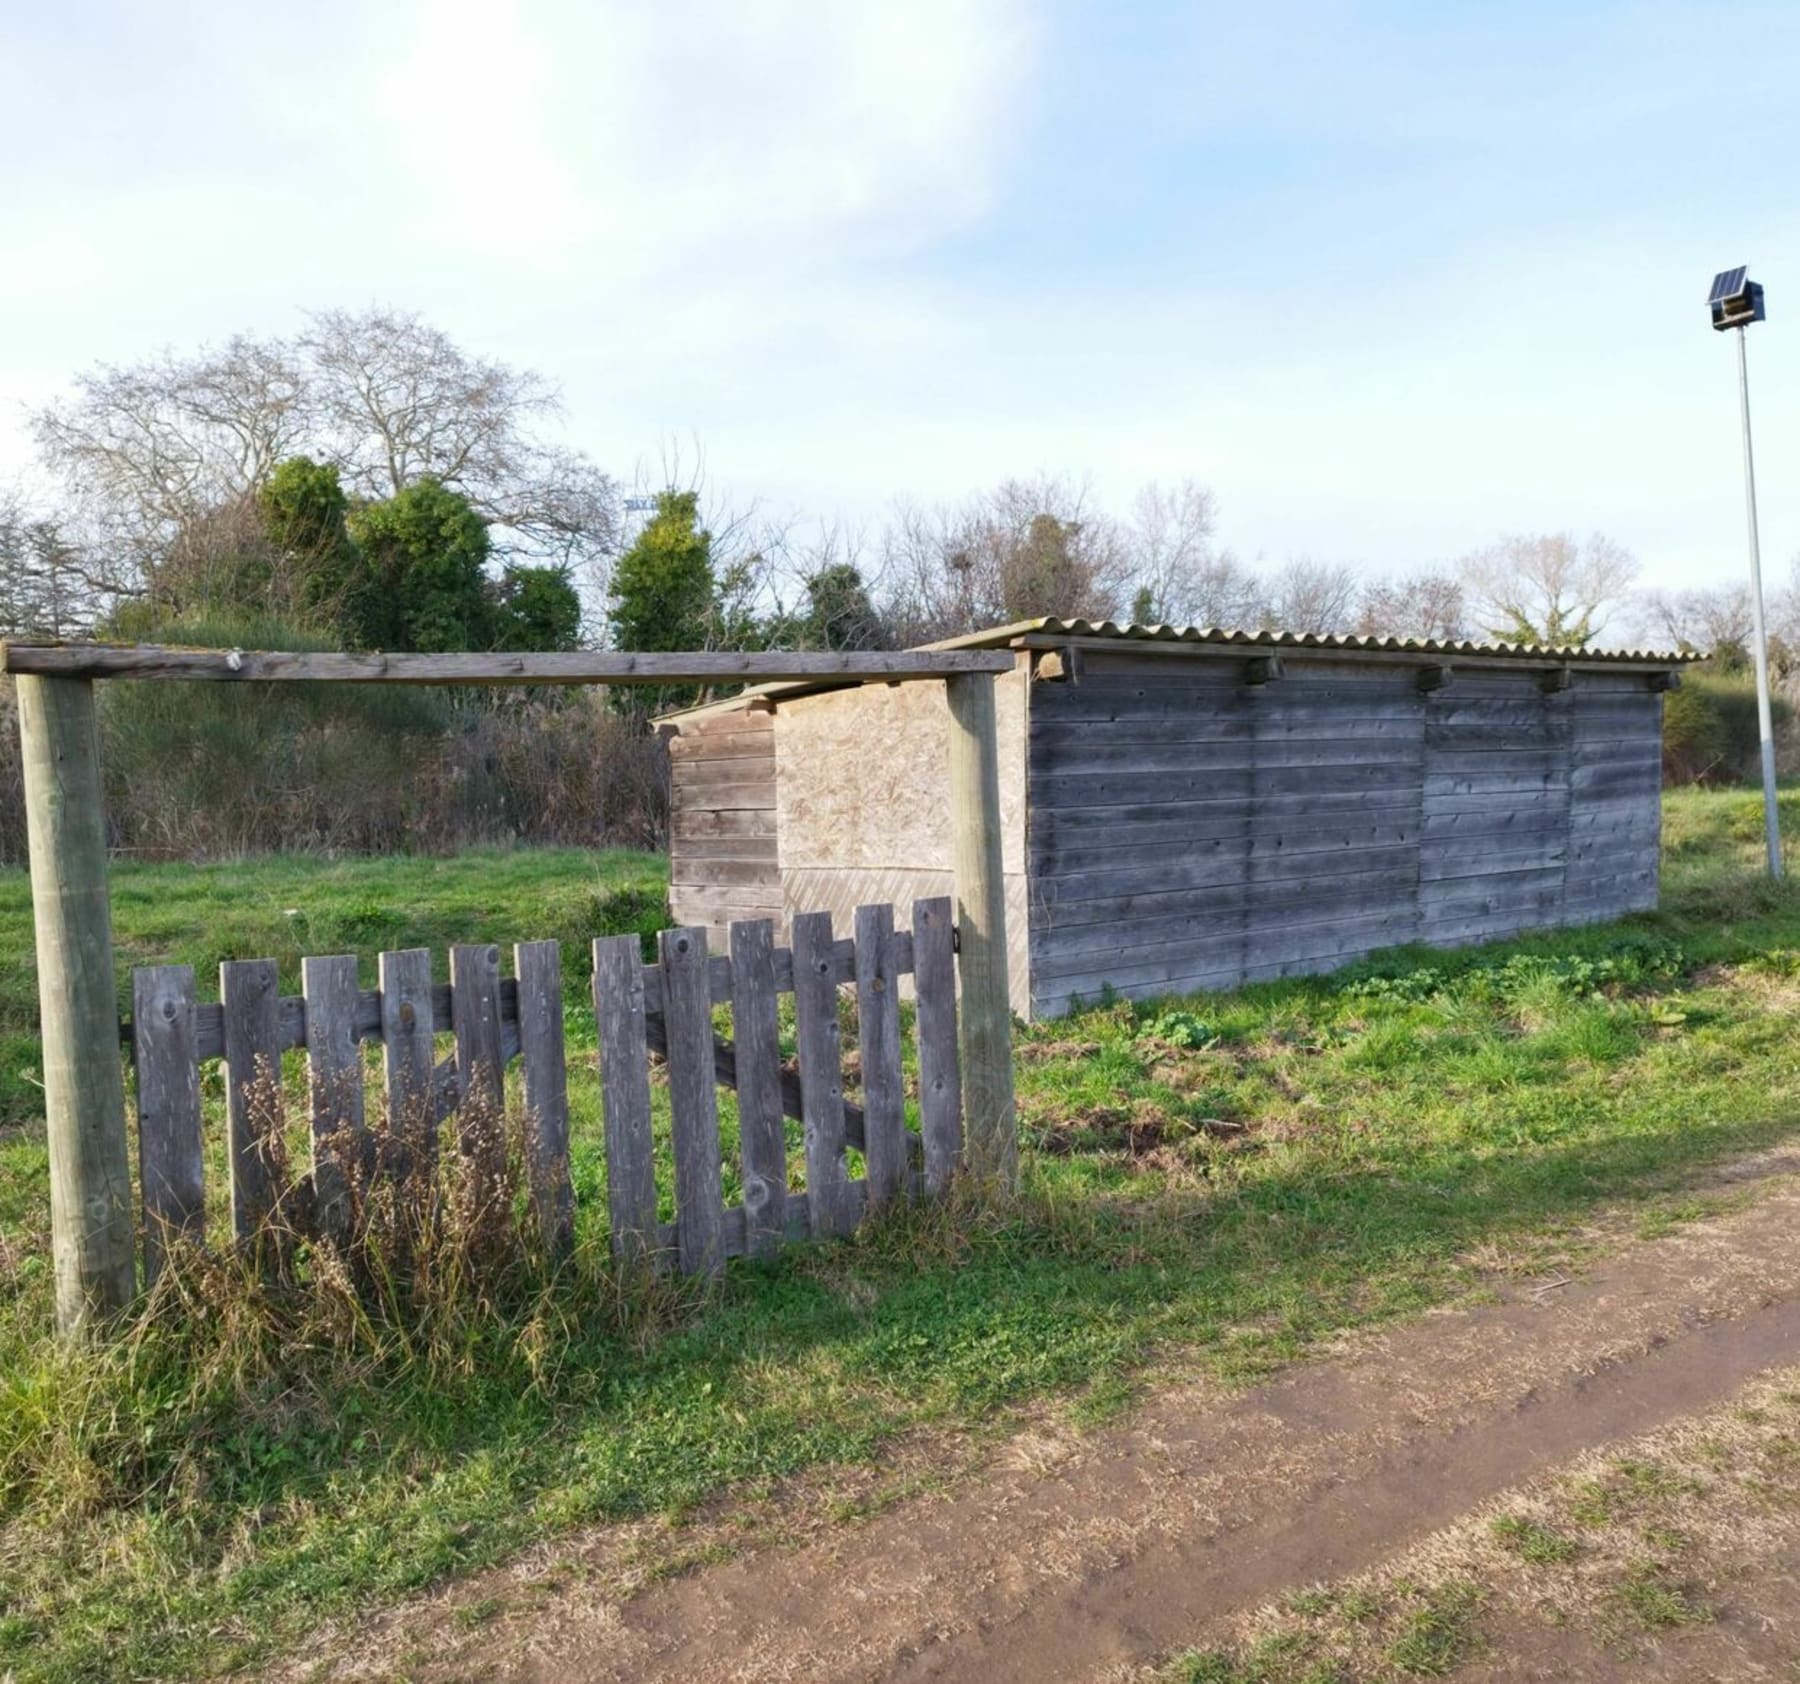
{"x":1783,"y":609}
{"x":1549,"y":588}
{"x":1177,"y":577}
{"x":398,"y":399}
{"x":1716,"y":617}
{"x":1026,"y":549}
{"x":928,"y":587}
{"x":1422,"y":605}
{"x":1311,"y":596}
{"x":160,"y":463}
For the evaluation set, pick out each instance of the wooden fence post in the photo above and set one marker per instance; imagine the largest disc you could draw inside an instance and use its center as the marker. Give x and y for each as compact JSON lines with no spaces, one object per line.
{"x":990,"y":1127}
{"x":84,"y":1079}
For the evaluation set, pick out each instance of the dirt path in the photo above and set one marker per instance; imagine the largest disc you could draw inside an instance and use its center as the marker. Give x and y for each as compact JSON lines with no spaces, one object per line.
{"x":1083,"y":1553}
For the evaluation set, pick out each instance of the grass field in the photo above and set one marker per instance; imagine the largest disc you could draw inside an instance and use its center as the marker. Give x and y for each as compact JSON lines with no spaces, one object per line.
{"x":1218,"y":1182}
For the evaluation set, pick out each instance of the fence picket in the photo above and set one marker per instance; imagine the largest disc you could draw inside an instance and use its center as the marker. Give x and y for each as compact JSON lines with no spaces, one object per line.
{"x":693,"y":1102}
{"x":878,"y":1041}
{"x":625,"y":1096}
{"x":831,"y":1204}
{"x":340,"y":1138}
{"x":168,"y":1101}
{"x":480,"y":1064}
{"x":407,"y":1030}
{"x":538,"y":967}
{"x":249,"y":990}
{"x":756,"y":1034}
{"x":940,"y":1072}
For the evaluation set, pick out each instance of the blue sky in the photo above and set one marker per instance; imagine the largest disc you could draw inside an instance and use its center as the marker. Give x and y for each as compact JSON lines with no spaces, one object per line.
{"x":1391,"y":279}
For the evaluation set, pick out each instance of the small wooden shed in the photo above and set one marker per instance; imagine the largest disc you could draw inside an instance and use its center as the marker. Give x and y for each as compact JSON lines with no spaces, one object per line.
{"x":1193,"y":809}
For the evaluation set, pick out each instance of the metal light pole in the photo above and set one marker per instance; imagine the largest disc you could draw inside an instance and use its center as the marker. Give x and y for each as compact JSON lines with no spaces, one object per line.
{"x":1736,"y":302}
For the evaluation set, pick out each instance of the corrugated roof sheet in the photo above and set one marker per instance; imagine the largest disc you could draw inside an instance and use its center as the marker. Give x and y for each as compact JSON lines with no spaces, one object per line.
{"x":998,"y":637}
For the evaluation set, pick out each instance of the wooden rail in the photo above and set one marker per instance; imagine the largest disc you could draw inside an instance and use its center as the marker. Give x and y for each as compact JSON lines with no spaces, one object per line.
{"x":664,"y":1009}
{"x":233,"y":666}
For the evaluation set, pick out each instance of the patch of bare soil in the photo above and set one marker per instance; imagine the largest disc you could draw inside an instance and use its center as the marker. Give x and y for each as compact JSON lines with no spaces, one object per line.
{"x":1075,"y":1555}
{"x":1672,"y":1555}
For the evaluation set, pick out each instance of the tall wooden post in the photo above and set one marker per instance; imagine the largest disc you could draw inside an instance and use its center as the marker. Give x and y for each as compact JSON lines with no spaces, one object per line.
{"x":84,"y":1084}
{"x":991,"y":1130}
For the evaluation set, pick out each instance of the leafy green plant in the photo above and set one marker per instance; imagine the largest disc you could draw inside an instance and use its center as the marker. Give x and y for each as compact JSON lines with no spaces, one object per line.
{"x":1177,"y":1029}
{"x":1423,"y":983}
{"x":1710,"y":729}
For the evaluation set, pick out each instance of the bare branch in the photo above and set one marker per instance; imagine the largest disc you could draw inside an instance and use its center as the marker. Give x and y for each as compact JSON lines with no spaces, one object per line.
{"x":1547,"y":588}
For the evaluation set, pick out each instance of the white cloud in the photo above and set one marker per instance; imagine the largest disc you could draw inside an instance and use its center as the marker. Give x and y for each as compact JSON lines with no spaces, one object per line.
{"x":657,"y":136}
{"x":465,"y":107}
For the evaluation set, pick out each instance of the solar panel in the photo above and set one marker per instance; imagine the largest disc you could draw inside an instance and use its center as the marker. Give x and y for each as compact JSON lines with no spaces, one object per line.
{"x":1728,"y":283}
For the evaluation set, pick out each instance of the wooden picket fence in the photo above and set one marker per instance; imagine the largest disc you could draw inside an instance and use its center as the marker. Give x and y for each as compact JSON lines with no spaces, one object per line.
{"x":662,"y":1009}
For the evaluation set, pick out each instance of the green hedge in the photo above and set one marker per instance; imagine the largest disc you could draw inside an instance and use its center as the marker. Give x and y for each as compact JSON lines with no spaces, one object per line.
{"x":1710,"y":733}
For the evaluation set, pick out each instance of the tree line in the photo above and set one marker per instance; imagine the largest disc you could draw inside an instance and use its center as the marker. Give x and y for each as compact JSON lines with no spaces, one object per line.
{"x":367,"y":483}
{"x":370,"y":482}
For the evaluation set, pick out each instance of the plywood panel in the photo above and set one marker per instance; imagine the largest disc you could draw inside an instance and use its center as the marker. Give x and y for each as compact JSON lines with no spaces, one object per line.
{"x":861,"y":780}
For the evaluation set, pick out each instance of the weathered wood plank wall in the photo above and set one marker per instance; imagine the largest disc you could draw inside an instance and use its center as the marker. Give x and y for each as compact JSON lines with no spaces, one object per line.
{"x":1615,"y":820}
{"x":723,"y":863}
{"x":1190,"y":830}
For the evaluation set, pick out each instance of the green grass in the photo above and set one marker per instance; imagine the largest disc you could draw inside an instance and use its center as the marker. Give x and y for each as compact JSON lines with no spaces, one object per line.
{"x":1220,"y":1181}
{"x":1542,"y":1546}
{"x":1437,"y":1635}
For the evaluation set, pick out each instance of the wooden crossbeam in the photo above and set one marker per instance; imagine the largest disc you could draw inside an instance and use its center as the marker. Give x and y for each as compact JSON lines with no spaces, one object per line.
{"x":153,"y":661}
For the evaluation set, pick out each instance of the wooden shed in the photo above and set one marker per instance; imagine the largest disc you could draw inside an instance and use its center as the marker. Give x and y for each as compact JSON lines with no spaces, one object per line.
{"x":1193,"y":809}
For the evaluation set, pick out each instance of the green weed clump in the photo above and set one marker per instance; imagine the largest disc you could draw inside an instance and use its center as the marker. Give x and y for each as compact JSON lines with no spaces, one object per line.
{"x":1632,"y":962}
{"x":1541,"y":1545}
{"x":1438,"y":1632}
{"x":1177,"y":1029}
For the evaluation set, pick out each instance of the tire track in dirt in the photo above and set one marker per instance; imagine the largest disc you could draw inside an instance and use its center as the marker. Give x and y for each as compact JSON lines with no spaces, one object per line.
{"x":1081,"y":1553}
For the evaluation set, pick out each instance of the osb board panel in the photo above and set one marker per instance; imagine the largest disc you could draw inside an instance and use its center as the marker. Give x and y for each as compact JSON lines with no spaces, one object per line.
{"x":862,"y":781}
{"x":841,"y":892}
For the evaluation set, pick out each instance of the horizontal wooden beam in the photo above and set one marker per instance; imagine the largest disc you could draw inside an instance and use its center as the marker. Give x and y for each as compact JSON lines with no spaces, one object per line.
{"x":151,"y":661}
